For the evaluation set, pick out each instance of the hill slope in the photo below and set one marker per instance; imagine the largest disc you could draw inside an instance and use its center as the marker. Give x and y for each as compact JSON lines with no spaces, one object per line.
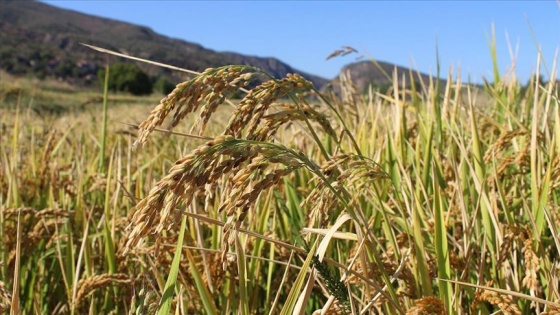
{"x":43,"y":40}
{"x":379,"y":74}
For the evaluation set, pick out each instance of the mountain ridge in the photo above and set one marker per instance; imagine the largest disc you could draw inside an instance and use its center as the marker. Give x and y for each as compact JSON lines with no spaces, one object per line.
{"x":379,"y":74}
{"x":51,"y":38}
{"x":44,"y":41}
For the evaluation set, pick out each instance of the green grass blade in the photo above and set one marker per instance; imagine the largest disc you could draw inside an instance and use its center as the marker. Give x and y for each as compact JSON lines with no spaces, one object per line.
{"x":101,"y":167}
{"x":298,"y":284}
{"x":205,"y":296}
{"x":169,"y":289}
{"x":480,"y":173}
{"x":442,"y":253}
{"x":242,"y":276}
{"x":536,"y":164}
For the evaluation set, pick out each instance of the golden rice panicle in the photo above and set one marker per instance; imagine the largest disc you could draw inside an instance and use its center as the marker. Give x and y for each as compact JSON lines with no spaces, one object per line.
{"x":353,"y":172}
{"x":431,"y":305}
{"x":343,"y":51}
{"x":501,"y":144}
{"x":552,"y":310}
{"x":531,"y":280}
{"x":502,"y":301}
{"x":289,"y":113}
{"x":189,"y":175}
{"x":147,"y":299}
{"x":207,"y":87}
{"x":181,"y":92}
{"x":248,"y":199}
{"x":531,"y":260}
{"x":240,"y":182}
{"x":86,"y":287}
{"x":5,"y":298}
{"x":510,"y":236}
{"x":264,"y":156}
{"x":256,"y":103}
{"x":360,"y":171}
{"x":321,"y":198}
{"x":215,"y":98}
{"x":144,"y":218}
{"x":245,"y":193}
{"x":45,"y":162}
{"x":40,"y":228}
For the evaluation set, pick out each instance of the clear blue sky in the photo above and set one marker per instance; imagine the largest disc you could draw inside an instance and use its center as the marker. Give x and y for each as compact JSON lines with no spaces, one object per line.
{"x":302,"y":34}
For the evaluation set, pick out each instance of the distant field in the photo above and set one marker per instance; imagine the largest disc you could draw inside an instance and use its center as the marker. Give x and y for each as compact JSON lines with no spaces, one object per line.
{"x":55,"y":97}
{"x":429,"y":200}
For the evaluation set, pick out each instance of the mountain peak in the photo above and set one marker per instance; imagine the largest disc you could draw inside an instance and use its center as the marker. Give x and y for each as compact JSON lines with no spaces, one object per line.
{"x":378,"y":74}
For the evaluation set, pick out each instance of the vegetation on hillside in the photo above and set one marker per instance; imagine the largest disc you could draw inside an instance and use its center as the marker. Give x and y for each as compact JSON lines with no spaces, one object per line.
{"x":421,"y":200}
{"x":127,"y":77}
{"x":41,"y":40}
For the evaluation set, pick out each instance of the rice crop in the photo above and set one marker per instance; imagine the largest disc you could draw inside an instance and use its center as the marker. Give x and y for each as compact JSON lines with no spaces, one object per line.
{"x":434,"y":197}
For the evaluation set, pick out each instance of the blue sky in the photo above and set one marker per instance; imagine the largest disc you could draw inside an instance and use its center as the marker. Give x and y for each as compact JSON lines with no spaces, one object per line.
{"x":303,"y":33}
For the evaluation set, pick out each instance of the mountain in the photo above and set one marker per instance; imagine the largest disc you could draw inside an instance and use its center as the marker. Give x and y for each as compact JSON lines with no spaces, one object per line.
{"x":43,"y":40}
{"x":377,"y":74}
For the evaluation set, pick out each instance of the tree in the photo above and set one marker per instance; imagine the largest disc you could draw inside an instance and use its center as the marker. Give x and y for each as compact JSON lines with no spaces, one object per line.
{"x":164,"y":86}
{"x":127,"y":77}
{"x":64,"y":68}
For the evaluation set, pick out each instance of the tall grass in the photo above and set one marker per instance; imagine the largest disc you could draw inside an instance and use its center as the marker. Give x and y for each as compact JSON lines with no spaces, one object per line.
{"x":433,"y":198}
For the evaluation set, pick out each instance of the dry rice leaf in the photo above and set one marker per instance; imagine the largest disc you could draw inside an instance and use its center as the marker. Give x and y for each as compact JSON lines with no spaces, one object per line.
{"x":338,"y":235}
{"x":322,"y":249}
{"x":305,"y":294}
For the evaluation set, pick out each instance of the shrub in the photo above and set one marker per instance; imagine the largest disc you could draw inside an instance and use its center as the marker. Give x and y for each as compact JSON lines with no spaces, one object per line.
{"x":127,"y":77}
{"x":163,"y":86}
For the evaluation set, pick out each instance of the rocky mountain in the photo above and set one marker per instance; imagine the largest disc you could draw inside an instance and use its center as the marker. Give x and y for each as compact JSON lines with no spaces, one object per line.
{"x":42,"y":40}
{"x":377,"y":74}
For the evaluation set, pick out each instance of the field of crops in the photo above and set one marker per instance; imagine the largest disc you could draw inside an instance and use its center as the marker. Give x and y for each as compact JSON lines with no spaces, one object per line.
{"x":435,"y":198}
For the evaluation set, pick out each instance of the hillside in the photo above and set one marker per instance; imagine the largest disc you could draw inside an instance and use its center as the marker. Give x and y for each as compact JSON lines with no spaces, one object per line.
{"x":42,"y":40}
{"x":379,"y":75}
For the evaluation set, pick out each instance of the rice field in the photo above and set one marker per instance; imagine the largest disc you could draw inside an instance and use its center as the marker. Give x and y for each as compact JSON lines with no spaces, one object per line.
{"x":433,"y":198}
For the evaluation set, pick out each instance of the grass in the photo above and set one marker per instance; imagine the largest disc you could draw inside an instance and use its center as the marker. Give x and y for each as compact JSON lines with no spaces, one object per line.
{"x":52,"y":97}
{"x":423,"y":200}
